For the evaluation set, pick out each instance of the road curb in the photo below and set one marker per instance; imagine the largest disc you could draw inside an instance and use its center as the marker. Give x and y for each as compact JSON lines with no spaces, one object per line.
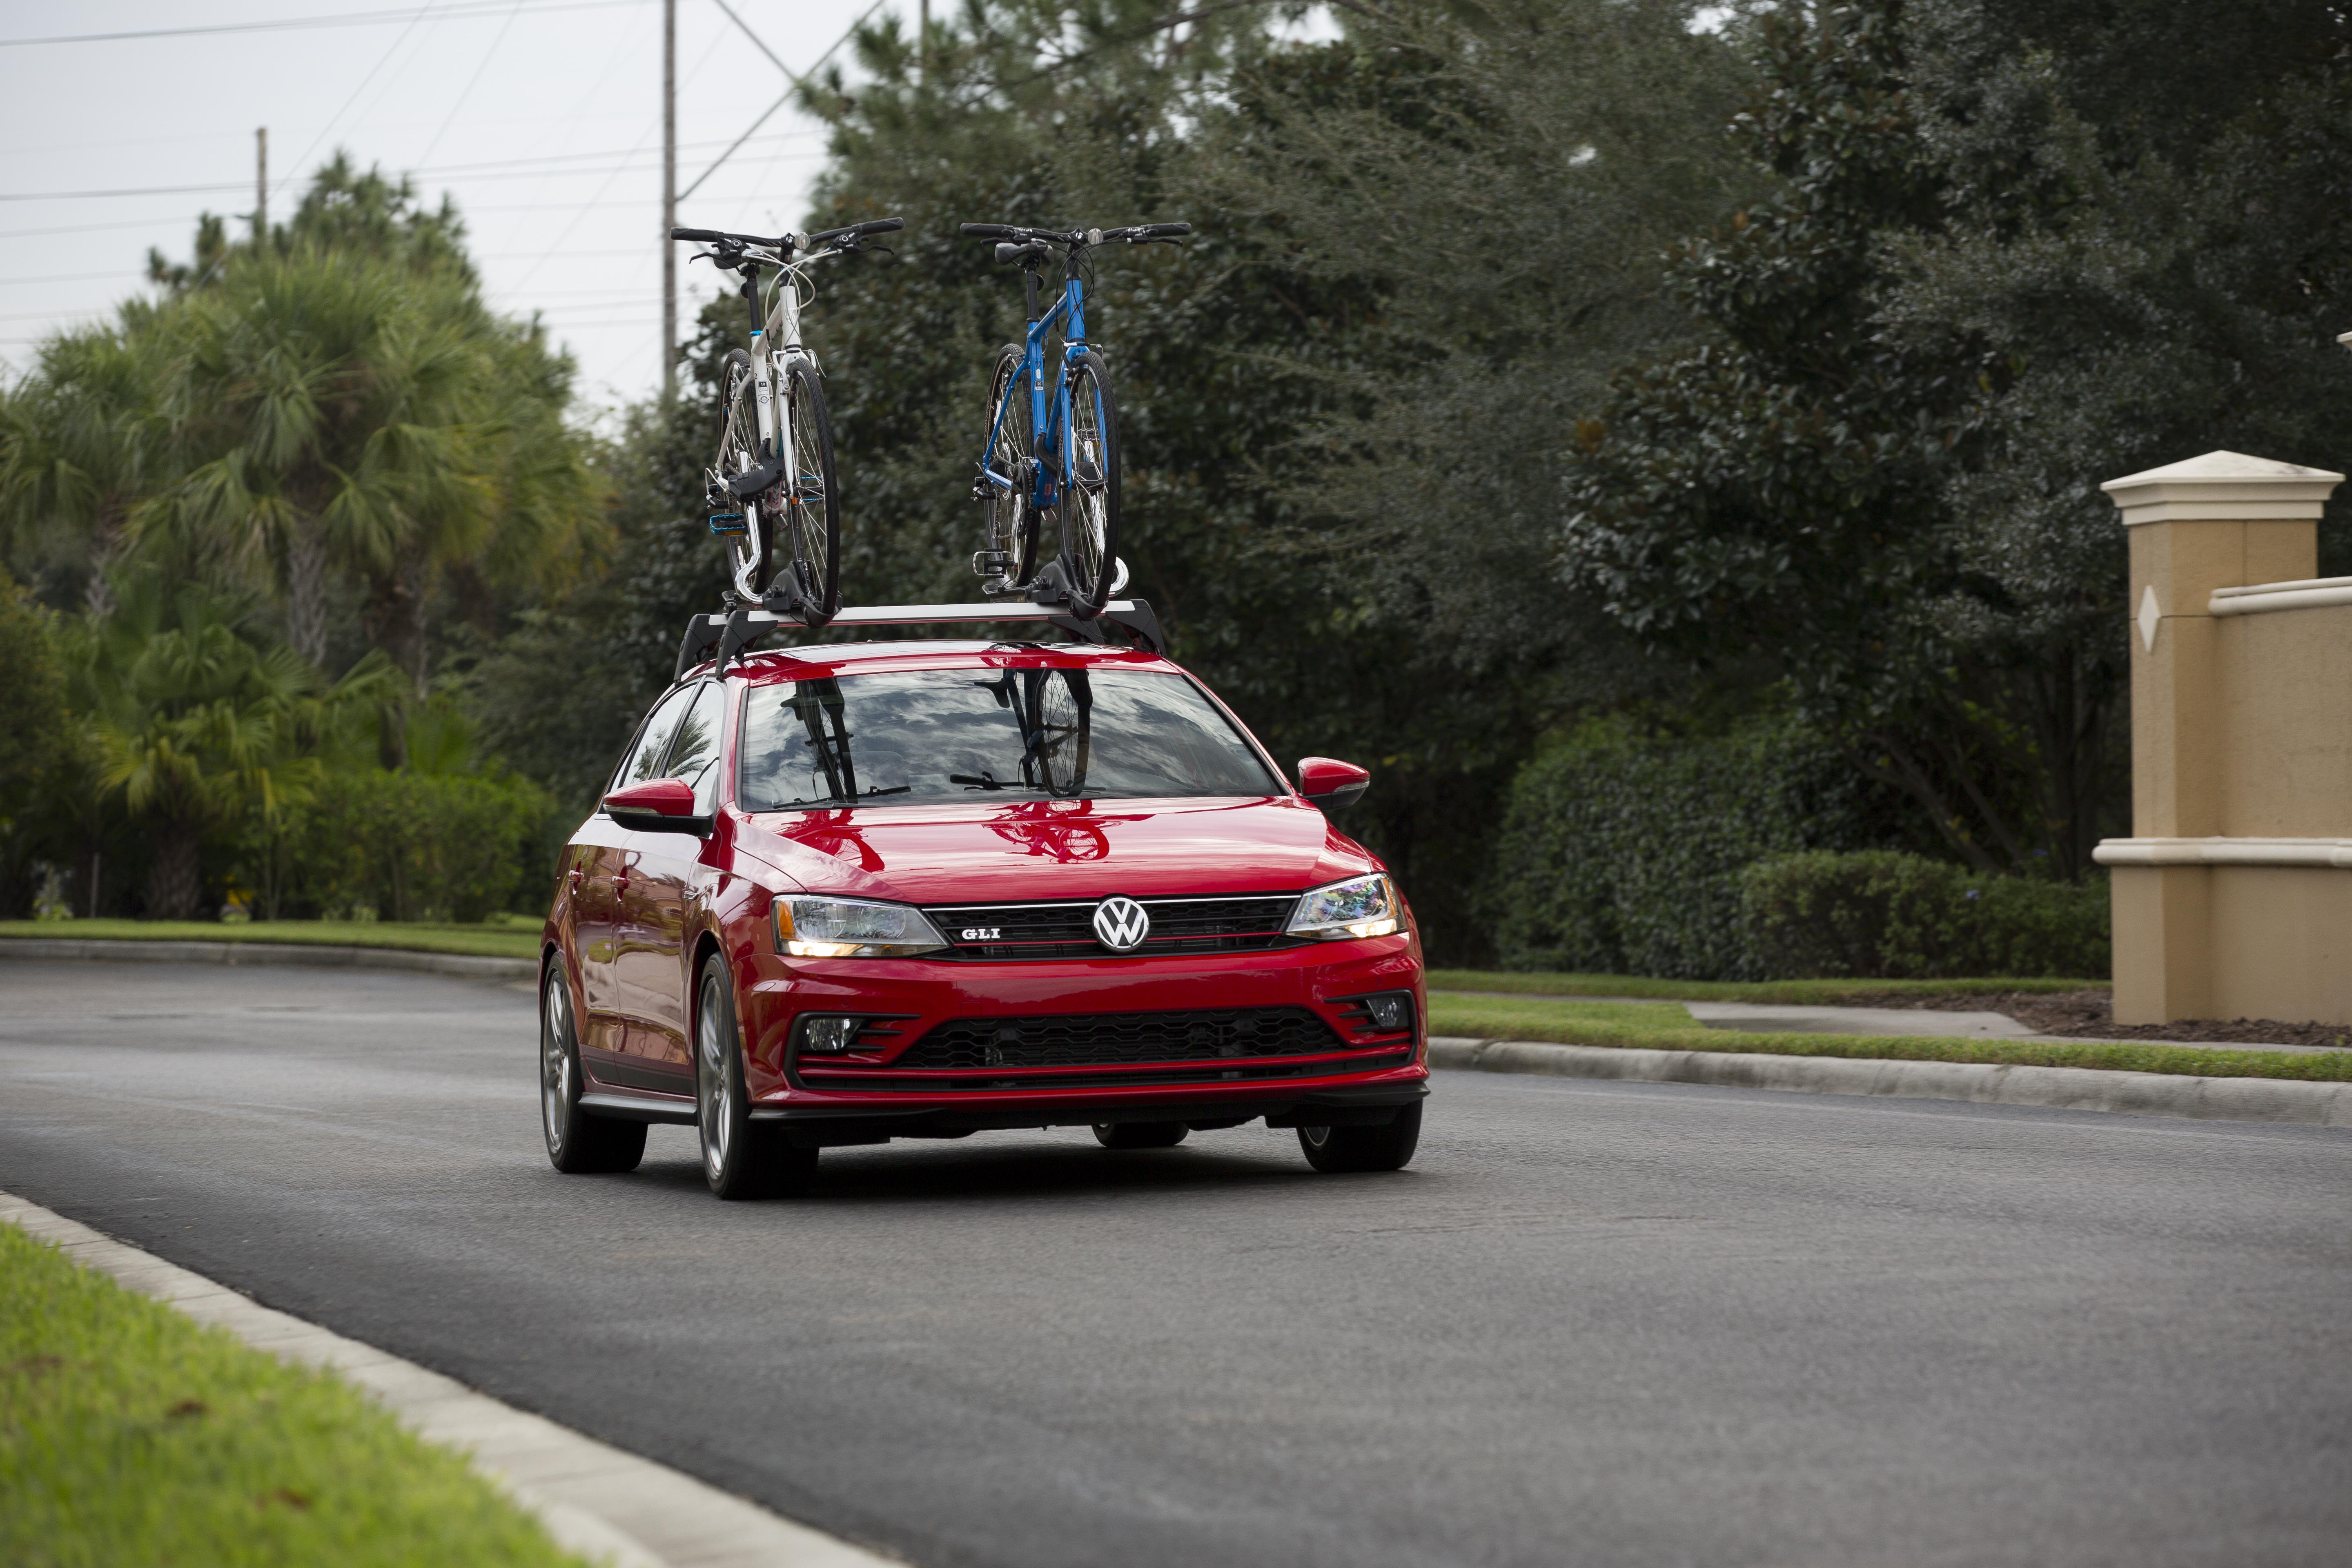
{"x":297,"y":954}
{"x":602,"y":1503}
{"x":2065,"y":1089}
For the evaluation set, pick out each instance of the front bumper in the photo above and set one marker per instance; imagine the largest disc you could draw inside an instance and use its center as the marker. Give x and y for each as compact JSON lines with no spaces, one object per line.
{"x":1364,"y":1076}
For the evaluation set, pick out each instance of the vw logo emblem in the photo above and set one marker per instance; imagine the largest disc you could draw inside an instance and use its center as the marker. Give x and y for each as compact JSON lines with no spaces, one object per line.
{"x":1120,"y":924}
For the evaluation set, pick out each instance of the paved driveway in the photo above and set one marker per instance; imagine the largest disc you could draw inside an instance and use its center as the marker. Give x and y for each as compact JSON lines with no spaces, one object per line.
{"x":1594,"y":1324}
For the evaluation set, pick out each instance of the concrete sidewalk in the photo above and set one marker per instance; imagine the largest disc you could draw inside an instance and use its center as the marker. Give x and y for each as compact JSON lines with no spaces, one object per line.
{"x":2061,"y":1088}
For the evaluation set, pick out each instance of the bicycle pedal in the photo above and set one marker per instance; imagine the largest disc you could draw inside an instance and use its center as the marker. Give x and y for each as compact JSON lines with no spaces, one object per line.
{"x":729,"y":522}
{"x":990,"y":563}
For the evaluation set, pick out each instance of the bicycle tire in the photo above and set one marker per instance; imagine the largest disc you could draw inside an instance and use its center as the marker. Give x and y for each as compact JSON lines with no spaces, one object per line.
{"x":1009,"y":521}
{"x":1089,"y":509}
{"x":750,"y":555}
{"x":812,"y":520}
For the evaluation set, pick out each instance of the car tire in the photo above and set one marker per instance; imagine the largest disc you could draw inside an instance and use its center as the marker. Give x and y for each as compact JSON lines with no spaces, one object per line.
{"x":1139,"y":1134}
{"x":1333,"y":1150}
{"x":741,"y":1158}
{"x":579,"y":1142}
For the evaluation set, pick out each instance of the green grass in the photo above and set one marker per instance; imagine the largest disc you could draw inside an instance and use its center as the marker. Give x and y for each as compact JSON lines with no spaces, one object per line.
{"x":513,"y":936}
{"x":1790,"y":993}
{"x":1664,"y":1026}
{"x":128,"y":1433}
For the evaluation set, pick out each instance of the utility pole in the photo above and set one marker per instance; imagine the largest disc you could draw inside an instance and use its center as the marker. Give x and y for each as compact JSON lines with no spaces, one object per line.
{"x":260,"y":184}
{"x":923,"y":45}
{"x":669,"y":201}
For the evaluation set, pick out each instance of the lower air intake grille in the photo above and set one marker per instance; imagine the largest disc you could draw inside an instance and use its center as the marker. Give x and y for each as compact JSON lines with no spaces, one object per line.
{"x":1111,"y":1039}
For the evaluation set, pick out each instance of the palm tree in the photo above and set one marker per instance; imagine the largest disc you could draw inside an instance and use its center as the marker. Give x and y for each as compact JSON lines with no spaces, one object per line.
{"x":78,"y":449}
{"x":197,"y":725}
{"x":333,"y":403}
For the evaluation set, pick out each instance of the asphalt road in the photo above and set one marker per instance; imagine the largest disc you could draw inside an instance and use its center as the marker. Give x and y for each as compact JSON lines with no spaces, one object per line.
{"x":1593,"y":1324}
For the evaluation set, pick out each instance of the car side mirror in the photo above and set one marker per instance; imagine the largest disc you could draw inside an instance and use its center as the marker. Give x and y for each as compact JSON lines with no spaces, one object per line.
{"x":658,"y":806}
{"x":1326,"y":781}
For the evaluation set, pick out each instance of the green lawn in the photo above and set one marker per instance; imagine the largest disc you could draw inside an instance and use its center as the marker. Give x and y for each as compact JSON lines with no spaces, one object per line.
{"x":1664,"y":1026}
{"x":514,"y":936}
{"x":1791,"y":992}
{"x":130,"y":1435}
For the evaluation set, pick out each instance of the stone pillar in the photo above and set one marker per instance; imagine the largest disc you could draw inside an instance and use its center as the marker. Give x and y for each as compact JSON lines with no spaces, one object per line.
{"x":2222,"y":521}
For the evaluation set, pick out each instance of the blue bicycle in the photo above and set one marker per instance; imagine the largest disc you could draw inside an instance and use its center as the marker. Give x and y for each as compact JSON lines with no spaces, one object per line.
{"x":1054,"y":452}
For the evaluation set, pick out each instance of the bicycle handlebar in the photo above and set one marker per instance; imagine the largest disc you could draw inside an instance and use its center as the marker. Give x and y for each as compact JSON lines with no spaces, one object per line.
{"x":1141,"y":233}
{"x":791,"y":242}
{"x":859,"y":230}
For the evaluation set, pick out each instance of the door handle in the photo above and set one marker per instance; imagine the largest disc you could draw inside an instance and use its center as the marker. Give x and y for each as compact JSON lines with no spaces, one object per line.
{"x":574,"y":876}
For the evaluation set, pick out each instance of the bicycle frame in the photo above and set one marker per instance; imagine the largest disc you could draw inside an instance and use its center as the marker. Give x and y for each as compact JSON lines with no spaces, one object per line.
{"x":775,"y":343}
{"x":1050,"y":420}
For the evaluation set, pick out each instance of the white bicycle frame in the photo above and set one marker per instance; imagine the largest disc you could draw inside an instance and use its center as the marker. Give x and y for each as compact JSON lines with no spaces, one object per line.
{"x":776,"y":345}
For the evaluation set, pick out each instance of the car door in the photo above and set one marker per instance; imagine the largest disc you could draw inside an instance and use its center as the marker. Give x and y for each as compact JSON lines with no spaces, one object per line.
{"x":606,"y":868}
{"x":653,"y":984}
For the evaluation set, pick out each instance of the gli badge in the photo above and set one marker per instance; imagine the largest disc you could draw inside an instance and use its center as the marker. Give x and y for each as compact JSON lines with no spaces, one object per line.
{"x":1120,"y":924}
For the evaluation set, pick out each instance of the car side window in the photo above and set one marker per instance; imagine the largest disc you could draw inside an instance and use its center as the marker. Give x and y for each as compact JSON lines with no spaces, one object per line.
{"x":694,"y":756}
{"x":645,"y":758}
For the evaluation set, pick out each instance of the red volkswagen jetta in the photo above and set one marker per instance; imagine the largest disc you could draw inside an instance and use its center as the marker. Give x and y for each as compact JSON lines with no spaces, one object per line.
{"x":846,"y":893}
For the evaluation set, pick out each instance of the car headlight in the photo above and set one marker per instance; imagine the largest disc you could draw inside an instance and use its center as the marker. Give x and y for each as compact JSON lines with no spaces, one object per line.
{"x":852,"y":928}
{"x":1360,"y":905}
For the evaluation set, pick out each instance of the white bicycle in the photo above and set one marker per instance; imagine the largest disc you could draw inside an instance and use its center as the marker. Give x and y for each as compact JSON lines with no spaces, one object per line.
{"x":773,"y":473}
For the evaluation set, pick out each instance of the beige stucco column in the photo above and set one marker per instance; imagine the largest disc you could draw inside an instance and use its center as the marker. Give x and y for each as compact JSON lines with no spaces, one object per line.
{"x":2222,"y":521}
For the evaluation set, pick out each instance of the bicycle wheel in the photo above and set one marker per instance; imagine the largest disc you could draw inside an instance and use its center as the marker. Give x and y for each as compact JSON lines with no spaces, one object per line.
{"x":1062,"y":705}
{"x":1089,"y":509}
{"x":1011,"y":523}
{"x":748,"y":553}
{"x":811,"y":512}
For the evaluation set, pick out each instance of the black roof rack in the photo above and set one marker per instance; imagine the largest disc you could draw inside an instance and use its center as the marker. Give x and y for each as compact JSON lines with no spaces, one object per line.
{"x":736,"y":630}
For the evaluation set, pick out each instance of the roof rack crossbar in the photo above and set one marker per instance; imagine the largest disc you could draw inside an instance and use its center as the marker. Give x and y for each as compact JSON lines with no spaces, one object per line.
{"x":730,"y":634}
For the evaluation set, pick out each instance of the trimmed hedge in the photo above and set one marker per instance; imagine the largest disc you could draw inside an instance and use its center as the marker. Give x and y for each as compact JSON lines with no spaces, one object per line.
{"x":1903,"y":917}
{"x":418,"y":846}
{"x":1621,"y":848}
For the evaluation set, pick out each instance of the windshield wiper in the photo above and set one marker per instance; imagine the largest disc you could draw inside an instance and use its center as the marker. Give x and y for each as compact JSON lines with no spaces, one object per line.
{"x":984,"y":780}
{"x":840,"y":799}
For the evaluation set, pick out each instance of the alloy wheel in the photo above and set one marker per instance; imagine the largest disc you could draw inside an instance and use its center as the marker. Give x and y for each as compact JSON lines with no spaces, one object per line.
{"x":713,"y":1091}
{"x":555,"y":1060}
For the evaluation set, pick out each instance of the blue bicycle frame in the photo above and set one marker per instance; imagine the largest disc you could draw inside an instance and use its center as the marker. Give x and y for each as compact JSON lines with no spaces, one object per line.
{"x":1050,"y":421}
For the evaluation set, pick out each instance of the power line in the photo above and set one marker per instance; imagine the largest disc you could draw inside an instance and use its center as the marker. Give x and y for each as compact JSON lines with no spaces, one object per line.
{"x":798,"y":79}
{"x":93,"y":228}
{"x":473,"y":81}
{"x":67,"y":278}
{"x":459,"y":11}
{"x":493,"y":169}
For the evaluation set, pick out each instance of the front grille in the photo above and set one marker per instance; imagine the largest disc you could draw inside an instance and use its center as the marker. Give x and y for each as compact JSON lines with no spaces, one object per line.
{"x":1179,"y":927}
{"x":1109,"y":1048}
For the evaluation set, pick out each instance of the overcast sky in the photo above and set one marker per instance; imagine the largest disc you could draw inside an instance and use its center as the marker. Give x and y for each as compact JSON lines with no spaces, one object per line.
{"x":543,"y":118}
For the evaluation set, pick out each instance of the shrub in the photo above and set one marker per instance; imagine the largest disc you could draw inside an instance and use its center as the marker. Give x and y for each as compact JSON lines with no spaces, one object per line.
{"x":1901,"y":917}
{"x":1622,"y":851}
{"x":418,"y":846}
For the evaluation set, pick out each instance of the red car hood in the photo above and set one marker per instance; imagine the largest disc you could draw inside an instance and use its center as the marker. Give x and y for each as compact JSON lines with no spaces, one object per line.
{"x":1051,"y":849}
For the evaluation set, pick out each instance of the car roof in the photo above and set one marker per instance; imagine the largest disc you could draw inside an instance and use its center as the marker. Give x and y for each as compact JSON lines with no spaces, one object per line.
{"x":801,"y":663}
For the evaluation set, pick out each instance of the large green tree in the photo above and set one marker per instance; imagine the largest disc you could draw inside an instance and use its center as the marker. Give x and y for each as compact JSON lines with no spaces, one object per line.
{"x":1994,"y":272}
{"x":1330,"y":410}
{"x":329,"y":411}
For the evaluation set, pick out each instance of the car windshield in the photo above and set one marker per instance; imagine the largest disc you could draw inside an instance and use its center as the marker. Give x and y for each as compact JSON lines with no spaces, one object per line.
{"x":916,"y":737}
